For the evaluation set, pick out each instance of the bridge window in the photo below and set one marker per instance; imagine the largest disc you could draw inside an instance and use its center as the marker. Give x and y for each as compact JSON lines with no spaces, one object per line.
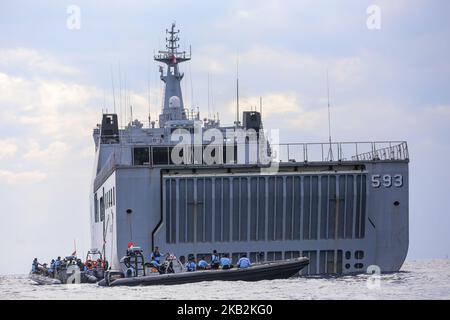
{"x":160,"y":155}
{"x":141,"y":156}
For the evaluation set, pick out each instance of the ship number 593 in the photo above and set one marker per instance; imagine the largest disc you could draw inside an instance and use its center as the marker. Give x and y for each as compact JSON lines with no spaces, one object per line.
{"x":387,"y":181}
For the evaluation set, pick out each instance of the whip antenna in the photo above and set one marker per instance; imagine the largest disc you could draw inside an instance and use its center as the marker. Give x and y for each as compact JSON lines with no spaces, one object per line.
{"x":330,"y":151}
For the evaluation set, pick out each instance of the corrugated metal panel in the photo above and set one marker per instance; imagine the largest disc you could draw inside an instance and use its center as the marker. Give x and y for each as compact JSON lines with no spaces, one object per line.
{"x":259,"y":208}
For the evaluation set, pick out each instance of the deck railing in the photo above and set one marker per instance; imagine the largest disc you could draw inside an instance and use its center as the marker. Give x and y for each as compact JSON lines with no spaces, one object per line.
{"x":282,"y":153}
{"x":342,"y":151}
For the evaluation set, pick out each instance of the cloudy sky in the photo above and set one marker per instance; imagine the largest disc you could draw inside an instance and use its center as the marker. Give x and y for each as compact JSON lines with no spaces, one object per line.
{"x":391,"y":83}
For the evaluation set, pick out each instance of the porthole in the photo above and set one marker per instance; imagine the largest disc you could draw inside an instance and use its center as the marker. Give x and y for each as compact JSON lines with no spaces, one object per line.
{"x":347,"y":266}
{"x":397,"y":203}
{"x":359,"y":255}
{"x":359,"y":266}
{"x":348,"y":255}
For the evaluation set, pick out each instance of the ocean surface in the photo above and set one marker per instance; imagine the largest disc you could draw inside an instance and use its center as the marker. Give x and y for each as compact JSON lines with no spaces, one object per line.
{"x":418,"y":279}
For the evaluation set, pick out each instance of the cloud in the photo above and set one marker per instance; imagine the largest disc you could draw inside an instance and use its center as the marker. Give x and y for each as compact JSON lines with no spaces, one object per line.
{"x":55,"y":109}
{"x":8,"y":148}
{"x":54,"y":153}
{"x":440,"y":110}
{"x":25,"y":177}
{"x":34,"y":61}
{"x":275,"y":103}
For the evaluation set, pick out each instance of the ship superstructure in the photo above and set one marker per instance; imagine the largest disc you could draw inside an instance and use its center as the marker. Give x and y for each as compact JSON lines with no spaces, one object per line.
{"x":343,"y":205}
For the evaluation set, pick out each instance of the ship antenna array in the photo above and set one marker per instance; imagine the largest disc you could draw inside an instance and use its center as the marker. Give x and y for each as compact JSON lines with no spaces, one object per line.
{"x":260,"y":105}
{"x":330,"y":151}
{"x":113,"y":90}
{"x":237,"y":91}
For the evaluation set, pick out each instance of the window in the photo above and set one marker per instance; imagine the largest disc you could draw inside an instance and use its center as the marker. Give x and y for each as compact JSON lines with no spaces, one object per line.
{"x":96,"y":205}
{"x":256,"y":257}
{"x":160,"y":155}
{"x":274,"y":256}
{"x":141,"y":156}
{"x":291,"y":254}
{"x":102,"y":209}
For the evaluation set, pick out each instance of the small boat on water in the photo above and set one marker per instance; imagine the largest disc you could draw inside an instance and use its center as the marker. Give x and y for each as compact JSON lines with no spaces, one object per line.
{"x":43,"y":280}
{"x":267,"y":271}
{"x":70,"y":271}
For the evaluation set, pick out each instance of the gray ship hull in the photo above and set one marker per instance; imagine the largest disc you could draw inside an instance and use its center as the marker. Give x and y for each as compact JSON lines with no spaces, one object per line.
{"x":330,"y":213}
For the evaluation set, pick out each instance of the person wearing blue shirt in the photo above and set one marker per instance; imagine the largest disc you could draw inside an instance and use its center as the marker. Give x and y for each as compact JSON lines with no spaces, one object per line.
{"x":202,"y":264}
{"x":191,"y":265}
{"x":35,"y":266}
{"x":51,"y":269}
{"x":225,"y":262}
{"x":215,"y":260}
{"x":57,"y":264}
{"x":156,"y":255}
{"x":244,"y":262}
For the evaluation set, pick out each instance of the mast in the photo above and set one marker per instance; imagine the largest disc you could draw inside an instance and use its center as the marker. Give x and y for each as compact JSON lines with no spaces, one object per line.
{"x":173,"y":106}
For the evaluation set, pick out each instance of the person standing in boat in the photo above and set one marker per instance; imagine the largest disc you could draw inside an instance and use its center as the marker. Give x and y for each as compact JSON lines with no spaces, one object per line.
{"x":215,"y":260}
{"x":244,"y":262}
{"x":51,"y":269}
{"x":35,"y":266}
{"x":57,"y":264}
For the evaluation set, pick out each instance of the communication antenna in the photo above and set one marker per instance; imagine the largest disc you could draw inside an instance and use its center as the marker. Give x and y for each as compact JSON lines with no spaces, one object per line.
{"x":330,"y":151}
{"x":237,"y":91}
{"x":260,"y":105}
{"x":113,"y":90}
{"x":149,"y":96}
{"x":120,"y":87}
{"x":104,"y":98}
{"x":192,"y":84}
{"x":213,"y":108}
{"x":209,"y":98}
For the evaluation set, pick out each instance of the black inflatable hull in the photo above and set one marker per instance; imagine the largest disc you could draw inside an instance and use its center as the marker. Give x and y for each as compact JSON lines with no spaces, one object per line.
{"x":269,"y":271}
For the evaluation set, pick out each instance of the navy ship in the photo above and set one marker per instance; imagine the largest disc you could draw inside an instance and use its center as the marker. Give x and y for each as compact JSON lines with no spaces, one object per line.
{"x":189,"y":185}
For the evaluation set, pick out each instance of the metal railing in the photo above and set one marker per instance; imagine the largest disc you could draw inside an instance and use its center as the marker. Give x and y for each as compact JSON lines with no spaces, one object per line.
{"x":341,"y":151}
{"x":159,"y":155}
{"x":290,"y":153}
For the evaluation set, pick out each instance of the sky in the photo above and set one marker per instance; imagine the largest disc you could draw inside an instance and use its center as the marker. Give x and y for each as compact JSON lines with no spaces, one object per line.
{"x":386,"y":83}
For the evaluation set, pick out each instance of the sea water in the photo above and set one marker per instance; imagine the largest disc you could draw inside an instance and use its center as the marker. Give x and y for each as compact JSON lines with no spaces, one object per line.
{"x":418,"y":279}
